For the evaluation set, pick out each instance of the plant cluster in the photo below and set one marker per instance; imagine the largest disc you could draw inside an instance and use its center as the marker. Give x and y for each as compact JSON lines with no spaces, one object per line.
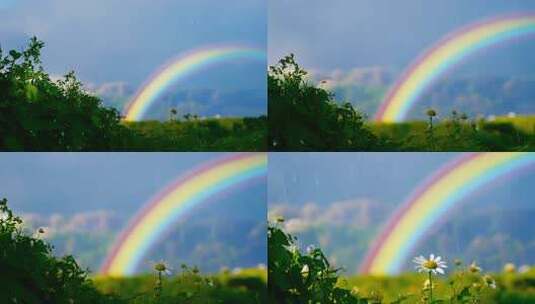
{"x":305,"y":117}
{"x":31,"y":274}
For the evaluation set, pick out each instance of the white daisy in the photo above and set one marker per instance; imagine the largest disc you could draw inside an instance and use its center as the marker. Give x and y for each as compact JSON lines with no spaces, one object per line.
{"x":162,"y":267}
{"x":305,"y":270}
{"x":433,"y":265}
{"x":474,"y":268}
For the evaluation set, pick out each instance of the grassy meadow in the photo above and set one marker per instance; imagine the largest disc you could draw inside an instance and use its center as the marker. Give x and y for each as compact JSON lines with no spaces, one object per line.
{"x":189,"y":286}
{"x":222,"y":134}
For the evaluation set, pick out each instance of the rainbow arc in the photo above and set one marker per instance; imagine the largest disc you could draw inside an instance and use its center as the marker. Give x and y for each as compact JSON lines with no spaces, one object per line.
{"x":180,"y":68}
{"x":161,"y":213}
{"x":445,"y":55}
{"x":447,"y":188}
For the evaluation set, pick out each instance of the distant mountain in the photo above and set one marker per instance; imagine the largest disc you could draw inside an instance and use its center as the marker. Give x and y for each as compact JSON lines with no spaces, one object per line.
{"x":202,"y":102}
{"x":344,"y":230}
{"x":210,"y":243}
{"x":365,"y":88}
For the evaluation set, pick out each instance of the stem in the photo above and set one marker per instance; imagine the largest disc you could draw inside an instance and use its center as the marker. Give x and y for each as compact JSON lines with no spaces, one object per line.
{"x":430,"y":287}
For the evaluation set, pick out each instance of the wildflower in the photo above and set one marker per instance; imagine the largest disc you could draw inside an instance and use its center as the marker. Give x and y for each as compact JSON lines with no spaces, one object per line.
{"x":305,"y":270}
{"x":474,"y":268}
{"x":433,"y":265}
{"x":310,"y":248}
{"x":509,"y":268}
{"x":489,"y":281}
{"x":162,"y":267}
{"x":524,"y":269}
{"x":431,"y":113}
{"x":458,"y":262}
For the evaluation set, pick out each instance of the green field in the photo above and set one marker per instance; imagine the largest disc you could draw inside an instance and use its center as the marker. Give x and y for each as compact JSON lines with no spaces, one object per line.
{"x":511,"y":288}
{"x":245,"y":286}
{"x":223,"y":134}
{"x":501,"y":134}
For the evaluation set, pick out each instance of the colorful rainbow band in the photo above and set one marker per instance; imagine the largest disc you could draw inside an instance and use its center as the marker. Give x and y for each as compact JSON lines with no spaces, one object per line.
{"x":181,"y":67}
{"x":159,"y":215}
{"x":438,"y":195}
{"x":446,"y":54}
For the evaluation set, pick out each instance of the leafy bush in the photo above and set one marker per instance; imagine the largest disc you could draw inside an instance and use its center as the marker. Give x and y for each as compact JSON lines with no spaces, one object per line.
{"x":39,"y":114}
{"x":31,"y":274}
{"x":304,"y":117}
{"x":296,"y":277}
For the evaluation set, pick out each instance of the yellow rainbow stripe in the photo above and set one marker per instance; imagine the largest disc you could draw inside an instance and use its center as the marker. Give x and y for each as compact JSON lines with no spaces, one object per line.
{"x":179,"y":68}
{"x":419,"y":213}
{"x":447,"y":53}
{"x":161,"y":213}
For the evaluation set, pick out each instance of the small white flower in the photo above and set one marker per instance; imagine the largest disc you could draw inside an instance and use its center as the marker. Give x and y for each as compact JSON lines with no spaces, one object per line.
{"x":162,"y":267}
{"x":489,"y":281}
{"x":474,"y":268}
{"x":433,"y":265}
{"x":310,"y":248}
{"x":524,"y":269}
{"x":305,"y":270}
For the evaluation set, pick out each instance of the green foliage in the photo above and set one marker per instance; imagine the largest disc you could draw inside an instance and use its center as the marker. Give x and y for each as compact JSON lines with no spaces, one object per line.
{"x":38,"y":114}
{"x":31,"y":274}
{"x":189,"y":286}
{"x":458,"y":133}
{"x":225,"y":134}
{"x":304,"y":117}
{"x":296,"y":277}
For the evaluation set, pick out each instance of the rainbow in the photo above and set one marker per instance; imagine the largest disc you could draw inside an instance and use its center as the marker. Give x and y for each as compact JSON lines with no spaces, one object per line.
{"x":160,"y":213}
{"x":444,"y":55}
{"x":430,"y":202}
{"x":181,"y":67}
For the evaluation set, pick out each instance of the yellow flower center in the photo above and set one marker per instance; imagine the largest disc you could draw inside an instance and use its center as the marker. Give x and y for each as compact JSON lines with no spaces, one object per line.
{"x":160,"y":267}
{"x":430,"y":264}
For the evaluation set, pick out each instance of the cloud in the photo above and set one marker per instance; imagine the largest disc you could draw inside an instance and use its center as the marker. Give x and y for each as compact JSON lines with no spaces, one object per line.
{"x":357,"y":213}
{"x":98,"y":221}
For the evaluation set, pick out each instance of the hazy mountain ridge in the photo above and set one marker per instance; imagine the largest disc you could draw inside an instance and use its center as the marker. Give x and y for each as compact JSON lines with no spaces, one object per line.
{"x":365,"y":88}
{"x":210,"y":243}
{"x":199,"y":101}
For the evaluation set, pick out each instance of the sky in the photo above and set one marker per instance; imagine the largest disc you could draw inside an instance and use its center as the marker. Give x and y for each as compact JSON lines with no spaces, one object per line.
{"x":324,"y":178}
{"x":108,"y":41}
{"x":70,"y":183}
{"x":343,"y":34}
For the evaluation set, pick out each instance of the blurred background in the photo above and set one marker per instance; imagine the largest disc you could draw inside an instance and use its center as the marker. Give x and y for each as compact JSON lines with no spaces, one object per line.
{"x":341,"y":201}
